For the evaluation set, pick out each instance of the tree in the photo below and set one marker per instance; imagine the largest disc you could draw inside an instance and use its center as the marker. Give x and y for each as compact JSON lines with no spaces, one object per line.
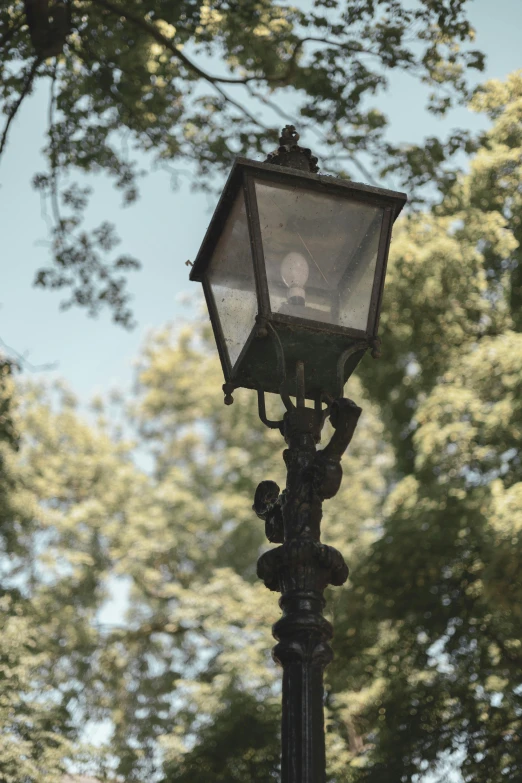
{"x":428,"y":632}
{"x":191,"y":660}
{"x":34,"y":736}
{"x":201,"y":82}
{"x":443,"y":580}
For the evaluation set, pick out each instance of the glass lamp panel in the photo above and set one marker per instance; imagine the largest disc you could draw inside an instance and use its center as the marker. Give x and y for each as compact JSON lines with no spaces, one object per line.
{"x":231,"y":278}
{"x":320,"y":253}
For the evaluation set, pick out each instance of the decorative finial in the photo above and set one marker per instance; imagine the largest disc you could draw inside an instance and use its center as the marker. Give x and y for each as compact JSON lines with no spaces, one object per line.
{"x":290,"y":154}
{"x":228,"y":388}
{"x":289,"y":135}
{"x":376,"y":348}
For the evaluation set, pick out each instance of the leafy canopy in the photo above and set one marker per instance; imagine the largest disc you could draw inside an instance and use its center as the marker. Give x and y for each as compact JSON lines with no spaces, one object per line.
{"x":428,"y":635}
{"x":443,"y":581}
{"x":201,"y":82}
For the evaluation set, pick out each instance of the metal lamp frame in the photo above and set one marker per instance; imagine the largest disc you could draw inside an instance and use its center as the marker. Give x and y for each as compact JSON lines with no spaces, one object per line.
{"x":242,"y":177}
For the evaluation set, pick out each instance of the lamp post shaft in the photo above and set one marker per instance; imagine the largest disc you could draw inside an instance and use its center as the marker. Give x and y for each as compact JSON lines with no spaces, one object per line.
{"x":300,"y":569}
{"x":303,"y":652}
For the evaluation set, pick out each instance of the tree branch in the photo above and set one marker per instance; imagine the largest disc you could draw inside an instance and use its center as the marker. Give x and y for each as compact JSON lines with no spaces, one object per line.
{"x":215,"y":81}
{"x":27,"y":365}
{"x":288,"y":118}
{"x":52,"y":156}
{"x":241,"y":108}
{"x":274,"y":106}
{"x":353,"y":48}
{"x":153,"y":31}
{"x":351,"y":158}
{"x":14,"y":110}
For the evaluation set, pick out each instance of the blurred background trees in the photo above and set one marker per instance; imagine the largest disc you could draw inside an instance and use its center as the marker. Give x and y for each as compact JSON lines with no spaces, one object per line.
{"x":135,"y":640}
{"x":149,"y":504}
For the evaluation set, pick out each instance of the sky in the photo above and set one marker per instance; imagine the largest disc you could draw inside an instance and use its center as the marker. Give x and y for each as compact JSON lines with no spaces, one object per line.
{"x":164,"y":229}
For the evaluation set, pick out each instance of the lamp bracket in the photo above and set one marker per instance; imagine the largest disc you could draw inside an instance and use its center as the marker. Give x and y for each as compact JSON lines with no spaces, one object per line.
{"x":343,"y":358}
{"x":319,"y":475}
{"x":261,"y":407}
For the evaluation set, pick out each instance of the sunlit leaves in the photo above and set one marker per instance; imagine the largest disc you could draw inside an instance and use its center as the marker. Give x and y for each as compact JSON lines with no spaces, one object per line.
{"x":445,"y":573}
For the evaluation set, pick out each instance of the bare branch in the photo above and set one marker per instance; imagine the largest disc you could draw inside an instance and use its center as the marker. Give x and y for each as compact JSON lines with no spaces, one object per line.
{"x":271,"y":105}
{"x":24,"y":361}
{"x":353,"y":48}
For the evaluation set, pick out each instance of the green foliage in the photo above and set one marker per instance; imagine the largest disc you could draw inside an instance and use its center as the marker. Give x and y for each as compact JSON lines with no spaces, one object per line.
{"x":33,"y":740}
{"x":428,"y":632}
{"x":443,"y":581}
{"x":241,"y":743}
{"x":33,"y":729}
{"x":192,"y":654}
{"x":190,"y":81}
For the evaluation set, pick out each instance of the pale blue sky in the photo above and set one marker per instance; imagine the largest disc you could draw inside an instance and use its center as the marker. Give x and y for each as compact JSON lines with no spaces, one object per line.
{"x":163,"y":229}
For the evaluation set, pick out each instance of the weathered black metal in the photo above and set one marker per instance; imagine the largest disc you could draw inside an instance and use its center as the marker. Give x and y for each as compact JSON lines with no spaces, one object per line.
{"x":300,"y":569}
{"x":290,"y":154}
{"x":257,"y":366}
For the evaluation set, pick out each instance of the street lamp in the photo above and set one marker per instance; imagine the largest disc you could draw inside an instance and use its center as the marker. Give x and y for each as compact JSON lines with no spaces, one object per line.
{"x":293,"y":266}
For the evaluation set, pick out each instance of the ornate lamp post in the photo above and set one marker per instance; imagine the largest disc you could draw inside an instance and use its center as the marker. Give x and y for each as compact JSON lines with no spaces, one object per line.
{"x":293,"y":267}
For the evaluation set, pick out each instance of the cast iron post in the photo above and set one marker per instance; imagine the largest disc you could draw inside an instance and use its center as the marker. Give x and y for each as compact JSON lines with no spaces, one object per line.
{"x":300,"y":569}
{"x":346,"y":227}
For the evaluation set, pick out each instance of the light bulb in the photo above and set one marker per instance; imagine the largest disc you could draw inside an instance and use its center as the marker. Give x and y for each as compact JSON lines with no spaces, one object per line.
{"x":294,"y":271}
